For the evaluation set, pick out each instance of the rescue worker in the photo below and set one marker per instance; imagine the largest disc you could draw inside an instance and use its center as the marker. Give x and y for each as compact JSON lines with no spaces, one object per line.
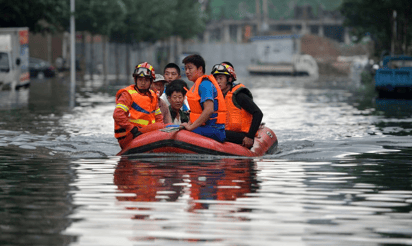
{"x":244,"y":116}
{"x":158,"y":86}
{"x":176,"y":94}
{"x":206,"y":101}
{"x":137,"y":109}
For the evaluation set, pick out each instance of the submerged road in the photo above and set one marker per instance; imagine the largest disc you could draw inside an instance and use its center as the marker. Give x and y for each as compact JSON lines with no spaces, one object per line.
{"x":341,"y":175}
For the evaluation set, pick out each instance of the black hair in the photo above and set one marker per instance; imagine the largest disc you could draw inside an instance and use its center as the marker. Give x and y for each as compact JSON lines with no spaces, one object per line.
{"x":172,"y":65}
{"x":197,"y":60}
{"x":177,"y":85}
{"x":228,"y":63}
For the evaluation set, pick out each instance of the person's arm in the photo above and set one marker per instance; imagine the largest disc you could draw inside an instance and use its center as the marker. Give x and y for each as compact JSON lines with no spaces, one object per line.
{"x":121,"y":112}
{"x":204,"y":116}
{"x":165,"y":111}
{"x":249,"y":106}
{"x":158,"y":114}
{"x":164,"y":98}
{"x":206,"y":92}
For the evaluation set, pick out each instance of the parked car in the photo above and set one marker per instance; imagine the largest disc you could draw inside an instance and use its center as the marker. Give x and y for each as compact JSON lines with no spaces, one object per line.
{"x":40,"y":68}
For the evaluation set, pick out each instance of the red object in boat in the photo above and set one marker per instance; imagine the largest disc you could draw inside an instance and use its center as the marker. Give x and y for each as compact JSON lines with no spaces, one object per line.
{"x":186,"y":142}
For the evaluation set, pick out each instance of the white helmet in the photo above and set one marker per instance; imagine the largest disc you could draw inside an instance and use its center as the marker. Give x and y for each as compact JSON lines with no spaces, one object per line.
{"x":160,"y":78}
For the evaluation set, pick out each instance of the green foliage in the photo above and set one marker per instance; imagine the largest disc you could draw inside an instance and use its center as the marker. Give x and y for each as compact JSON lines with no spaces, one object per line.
{"x":38,"y":15}
{"x":127,"y":21}
{"x":277,"y":9}
{"x":158,"y":19}
{"x":366,"y":77}
{"x":375,"y":17}
{"x":99,"y":16}
{"x":189,"y":21}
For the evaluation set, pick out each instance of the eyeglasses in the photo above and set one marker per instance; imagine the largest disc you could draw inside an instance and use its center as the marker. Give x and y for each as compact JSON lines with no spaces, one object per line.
{"x":142,"y":72}
{"x":219,"y":68}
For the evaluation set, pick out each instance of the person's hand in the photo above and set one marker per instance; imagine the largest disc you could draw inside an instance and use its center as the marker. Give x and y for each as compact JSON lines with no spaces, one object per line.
{"x":135,"y":132}
{"x":247,"y":142}
{"x":186,"y":126}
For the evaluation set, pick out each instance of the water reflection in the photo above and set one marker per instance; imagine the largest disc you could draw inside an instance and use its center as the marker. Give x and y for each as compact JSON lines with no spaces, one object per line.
{"x":344,"y":178}
{"x":398,"y":116}
{"x":202,"y":182}
{"x":50,"y":95}
{"x":394,"y":107}
{"x":35,"y":201}
{"x":348,"y":202}
{"x":14,"y":99}
{"x":391,"y":187}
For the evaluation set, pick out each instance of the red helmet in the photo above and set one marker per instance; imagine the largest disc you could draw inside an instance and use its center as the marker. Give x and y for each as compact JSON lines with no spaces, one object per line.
{"x":144,"y":70}
{"x":225,"y":69}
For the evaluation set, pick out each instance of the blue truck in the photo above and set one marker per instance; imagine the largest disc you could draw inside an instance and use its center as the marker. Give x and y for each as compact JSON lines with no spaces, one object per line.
{"x":395,"y":77}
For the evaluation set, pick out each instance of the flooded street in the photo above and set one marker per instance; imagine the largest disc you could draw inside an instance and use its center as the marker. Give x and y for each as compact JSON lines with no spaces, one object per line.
{"x":341,"y":175}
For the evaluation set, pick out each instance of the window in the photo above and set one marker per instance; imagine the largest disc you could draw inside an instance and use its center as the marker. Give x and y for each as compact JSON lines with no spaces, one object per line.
{"x":399,"y":63}
{"x":4,"y":62}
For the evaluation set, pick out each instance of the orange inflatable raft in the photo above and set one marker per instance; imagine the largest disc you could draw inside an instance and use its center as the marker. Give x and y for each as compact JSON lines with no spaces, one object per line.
{"x":186,"y":142}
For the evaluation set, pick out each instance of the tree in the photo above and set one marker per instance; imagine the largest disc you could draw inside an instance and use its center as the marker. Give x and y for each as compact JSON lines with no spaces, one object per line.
{"x":376,"y":18}
{"x":190,"y":20}
{"x":39,"y":16}
{"x":98,"y":17}
{"x":149,"y":21}
{"x":158,"y":19}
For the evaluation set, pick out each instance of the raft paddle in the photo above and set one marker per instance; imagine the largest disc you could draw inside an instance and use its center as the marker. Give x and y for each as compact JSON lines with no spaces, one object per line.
{"x":172,"y":129}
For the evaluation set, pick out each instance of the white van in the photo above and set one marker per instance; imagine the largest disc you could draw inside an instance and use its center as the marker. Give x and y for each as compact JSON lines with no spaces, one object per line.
{"x":14,"y":58}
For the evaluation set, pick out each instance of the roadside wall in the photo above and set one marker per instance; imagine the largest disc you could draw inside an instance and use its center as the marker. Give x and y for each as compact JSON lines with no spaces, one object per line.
{"x":240,"y":55}
{"x":45,"y":47}
{"x":325,"y":51}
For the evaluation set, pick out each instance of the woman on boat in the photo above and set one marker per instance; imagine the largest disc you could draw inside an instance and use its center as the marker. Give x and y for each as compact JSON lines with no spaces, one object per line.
{"x":137,"y":109}
{"x":176,"y":93}
{"x":244,"y":116}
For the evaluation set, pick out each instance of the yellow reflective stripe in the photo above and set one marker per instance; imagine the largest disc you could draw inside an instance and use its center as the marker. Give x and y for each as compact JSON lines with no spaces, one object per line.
{"x":140,"y":122}
{"x":158,"y":111}
{"x":132,"y":91}
{"x":122,"y":106}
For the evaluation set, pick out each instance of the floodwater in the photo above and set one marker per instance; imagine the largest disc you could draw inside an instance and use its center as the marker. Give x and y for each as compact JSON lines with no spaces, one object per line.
{"x":341,"y":175}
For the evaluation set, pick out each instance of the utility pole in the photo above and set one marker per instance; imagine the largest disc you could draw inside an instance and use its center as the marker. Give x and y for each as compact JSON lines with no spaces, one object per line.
{"x":258,"y":17}
{"x":393,"y":34}
{"x":72,"y":56}
{"x":265,"y":23}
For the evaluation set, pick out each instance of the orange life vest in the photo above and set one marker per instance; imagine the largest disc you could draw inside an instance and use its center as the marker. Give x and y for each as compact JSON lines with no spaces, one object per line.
{"x":238,"y":119}
{"x":193,"y":98}
{"x":141,"y":113}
